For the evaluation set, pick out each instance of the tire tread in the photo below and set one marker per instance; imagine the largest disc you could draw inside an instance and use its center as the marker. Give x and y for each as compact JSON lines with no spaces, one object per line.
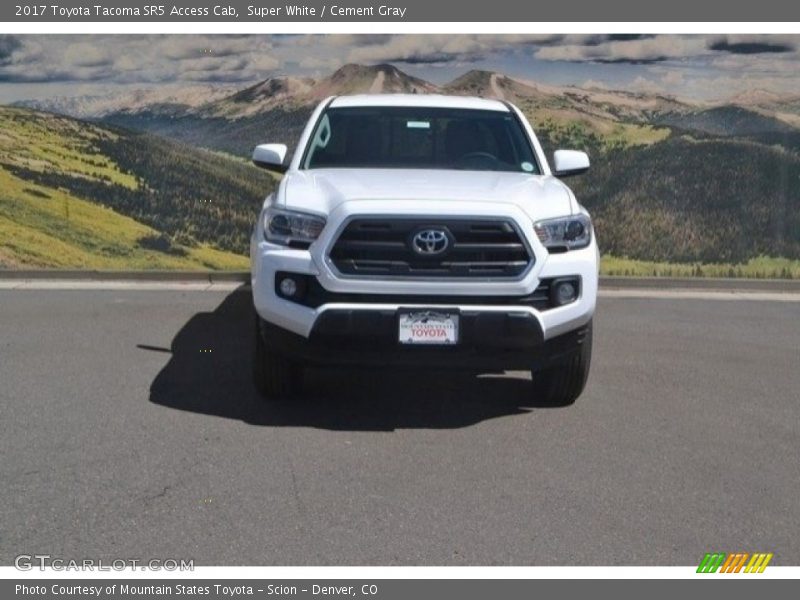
{"x":561,"y":385}
{"x":274,"y":377}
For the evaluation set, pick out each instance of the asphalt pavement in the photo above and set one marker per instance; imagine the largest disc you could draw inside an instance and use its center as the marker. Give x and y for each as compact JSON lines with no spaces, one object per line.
{"x":129,"y":429}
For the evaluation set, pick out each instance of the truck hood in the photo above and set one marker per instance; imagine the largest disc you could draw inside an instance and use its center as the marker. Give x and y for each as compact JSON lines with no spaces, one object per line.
{"x":323,"y":190}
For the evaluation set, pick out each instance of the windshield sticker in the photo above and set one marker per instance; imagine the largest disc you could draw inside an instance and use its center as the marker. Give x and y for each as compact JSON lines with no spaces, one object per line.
{"x":418,"y":124}
{"x":527,"y":167}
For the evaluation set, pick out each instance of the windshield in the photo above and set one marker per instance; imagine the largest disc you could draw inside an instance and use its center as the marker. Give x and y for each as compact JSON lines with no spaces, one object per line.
{"x":420,"y":138}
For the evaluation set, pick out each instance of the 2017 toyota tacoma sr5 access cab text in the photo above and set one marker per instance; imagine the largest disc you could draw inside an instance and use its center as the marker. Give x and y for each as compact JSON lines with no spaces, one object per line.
{"x":423,"y":230}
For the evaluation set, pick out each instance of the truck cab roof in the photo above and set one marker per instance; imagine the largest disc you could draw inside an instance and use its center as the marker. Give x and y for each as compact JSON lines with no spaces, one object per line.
{"x":411,"y":100}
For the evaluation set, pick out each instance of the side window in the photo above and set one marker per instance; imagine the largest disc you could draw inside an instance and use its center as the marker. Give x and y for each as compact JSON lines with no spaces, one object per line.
{"x":323,"y":134}
{"x":328,"y":145}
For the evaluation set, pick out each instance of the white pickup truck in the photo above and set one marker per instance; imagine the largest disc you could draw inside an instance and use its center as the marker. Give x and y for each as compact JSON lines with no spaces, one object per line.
{"x":423,"y":230}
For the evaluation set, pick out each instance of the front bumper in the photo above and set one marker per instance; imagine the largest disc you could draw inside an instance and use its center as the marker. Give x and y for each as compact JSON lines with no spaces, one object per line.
{"x":268,"y":259}
{"x":488,"y":340}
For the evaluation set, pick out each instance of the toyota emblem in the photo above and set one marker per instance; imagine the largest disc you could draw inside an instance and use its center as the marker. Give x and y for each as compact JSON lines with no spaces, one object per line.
{"x":430,"y":242}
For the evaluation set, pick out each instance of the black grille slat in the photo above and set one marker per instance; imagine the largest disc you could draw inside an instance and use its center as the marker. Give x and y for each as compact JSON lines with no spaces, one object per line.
{"x":490,"y":246}
{"x":367,"y":245}
{"x":479,"y":248}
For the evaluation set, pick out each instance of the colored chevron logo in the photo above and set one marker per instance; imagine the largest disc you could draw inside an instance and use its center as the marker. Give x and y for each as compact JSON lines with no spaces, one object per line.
{"x":736,"y":562}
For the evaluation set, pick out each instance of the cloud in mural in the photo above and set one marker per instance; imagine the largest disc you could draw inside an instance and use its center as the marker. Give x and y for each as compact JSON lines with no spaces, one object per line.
{"x":632,"y":61}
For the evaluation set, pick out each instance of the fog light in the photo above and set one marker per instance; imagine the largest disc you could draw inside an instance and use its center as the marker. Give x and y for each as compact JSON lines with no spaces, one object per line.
{"x":288,"y":287}
{"x":564,"y":292}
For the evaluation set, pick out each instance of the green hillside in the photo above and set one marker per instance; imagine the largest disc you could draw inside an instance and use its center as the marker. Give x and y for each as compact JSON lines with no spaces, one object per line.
{"x":78,"y":195}
{"x":687,"y":200}
{"x":233,"y":136}
{"x":672,"y":184}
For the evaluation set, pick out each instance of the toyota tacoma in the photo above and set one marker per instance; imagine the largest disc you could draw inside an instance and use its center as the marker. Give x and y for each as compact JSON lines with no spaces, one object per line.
{"x":423,"y":230}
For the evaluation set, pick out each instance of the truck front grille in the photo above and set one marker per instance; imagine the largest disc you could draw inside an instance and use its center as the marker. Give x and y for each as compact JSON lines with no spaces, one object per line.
{"x":475,"y":248}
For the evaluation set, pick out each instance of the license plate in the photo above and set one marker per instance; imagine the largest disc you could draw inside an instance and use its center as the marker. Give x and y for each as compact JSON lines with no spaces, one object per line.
{"x":428,"y":327}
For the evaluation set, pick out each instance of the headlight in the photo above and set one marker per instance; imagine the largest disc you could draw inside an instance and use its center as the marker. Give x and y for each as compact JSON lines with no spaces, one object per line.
{"x":289,"y":228}
{"x":565,"y":233}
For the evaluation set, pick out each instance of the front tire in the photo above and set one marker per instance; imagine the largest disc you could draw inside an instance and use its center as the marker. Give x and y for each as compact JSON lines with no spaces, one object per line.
{"x":560,"y":385}
{"x":275,"y":377}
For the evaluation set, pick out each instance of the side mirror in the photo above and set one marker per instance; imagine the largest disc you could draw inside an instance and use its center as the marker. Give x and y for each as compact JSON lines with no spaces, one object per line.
{"x":570,"y":162}
{"x":270,"y":156}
